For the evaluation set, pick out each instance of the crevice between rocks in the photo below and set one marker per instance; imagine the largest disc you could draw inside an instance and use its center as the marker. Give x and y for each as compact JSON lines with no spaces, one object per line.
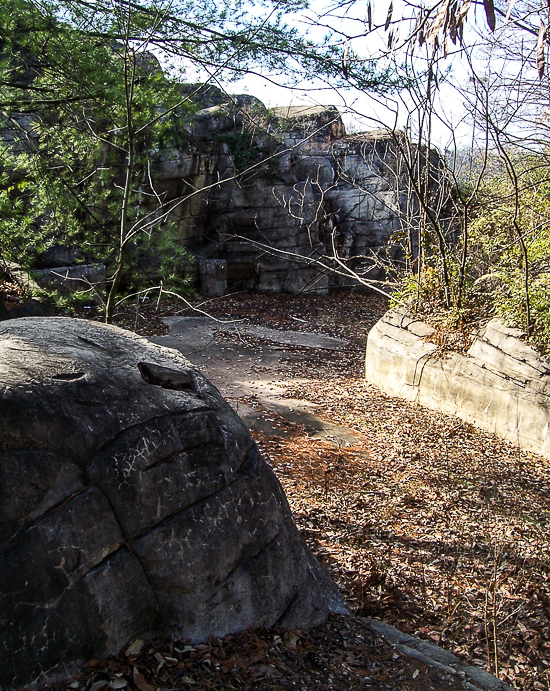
{"x":244,"y":557}
{"x":123,"y":544}
{"x":181,"y":452}
{"x":288,"y":607}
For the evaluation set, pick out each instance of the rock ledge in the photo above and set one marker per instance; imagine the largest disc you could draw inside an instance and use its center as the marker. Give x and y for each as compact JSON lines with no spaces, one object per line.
{"x":501,"y":385}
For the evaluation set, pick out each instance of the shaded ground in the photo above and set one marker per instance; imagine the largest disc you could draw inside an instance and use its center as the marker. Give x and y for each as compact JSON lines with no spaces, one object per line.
{"x":422,"y":520}
{"x":344,"y":654}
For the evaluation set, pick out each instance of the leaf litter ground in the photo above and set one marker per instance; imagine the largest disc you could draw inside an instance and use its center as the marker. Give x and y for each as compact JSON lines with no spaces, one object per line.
{"x":425,"y":522}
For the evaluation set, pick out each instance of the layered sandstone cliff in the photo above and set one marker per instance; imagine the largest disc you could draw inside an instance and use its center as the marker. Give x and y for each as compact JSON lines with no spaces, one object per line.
{"x":282,"y":188}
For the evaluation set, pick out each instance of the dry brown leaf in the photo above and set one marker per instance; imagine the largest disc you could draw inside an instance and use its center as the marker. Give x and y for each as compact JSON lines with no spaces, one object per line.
{"x":463,"y":12}
{"x":490,"y":13}
{"x":541,"y":49}
{"x":345,"y":61}
{"x":141,"y":683}
{"x":438,"y":21}
{"x":453,"y":27}
{"x":511,"y":4}
{"x":388,"y":18}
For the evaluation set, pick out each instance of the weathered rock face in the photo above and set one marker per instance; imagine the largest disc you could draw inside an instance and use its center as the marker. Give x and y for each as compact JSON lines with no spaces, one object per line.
{"x":271,"y":191}
{"x":312,"y":184}
{"x":132,"y":501}
{"x":501,"y":385}
{"x":69,"y":279}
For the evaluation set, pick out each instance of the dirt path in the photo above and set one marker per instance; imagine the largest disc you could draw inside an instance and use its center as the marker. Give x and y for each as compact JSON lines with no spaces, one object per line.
{"x":250,"y":365}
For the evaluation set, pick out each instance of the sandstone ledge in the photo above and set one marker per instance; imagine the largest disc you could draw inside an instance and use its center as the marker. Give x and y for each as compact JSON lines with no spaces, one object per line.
{"x":500,"y":385}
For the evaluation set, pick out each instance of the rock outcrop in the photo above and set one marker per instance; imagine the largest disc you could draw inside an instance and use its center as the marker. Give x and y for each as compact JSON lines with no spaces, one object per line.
{"x":501,"y":384}
{"x":309,"y":189}
{"x":132,"y":501}
{"x":271,"y":192}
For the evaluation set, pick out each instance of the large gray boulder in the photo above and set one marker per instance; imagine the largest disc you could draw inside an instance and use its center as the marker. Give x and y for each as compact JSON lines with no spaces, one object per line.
{"x":132,"y":501}
{"x":501,"y":384}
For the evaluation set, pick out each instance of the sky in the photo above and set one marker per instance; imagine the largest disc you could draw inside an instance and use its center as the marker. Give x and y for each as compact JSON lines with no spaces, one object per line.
{"x":360,"y":111}
{"x":363,"y":112}
{"x":451,"y":125}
